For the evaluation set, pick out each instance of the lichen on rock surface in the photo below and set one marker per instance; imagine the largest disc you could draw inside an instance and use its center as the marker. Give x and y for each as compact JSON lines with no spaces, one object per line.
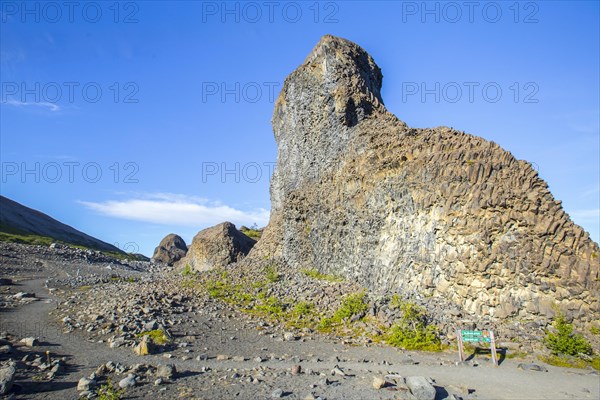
{"x":434,"y":212}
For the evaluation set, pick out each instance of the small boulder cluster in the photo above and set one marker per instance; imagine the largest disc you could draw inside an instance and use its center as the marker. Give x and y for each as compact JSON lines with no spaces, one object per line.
{"x":115,"y":377}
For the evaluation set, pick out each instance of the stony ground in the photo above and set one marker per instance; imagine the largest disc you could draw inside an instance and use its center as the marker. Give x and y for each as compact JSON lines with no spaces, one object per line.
{"x":81,"y":316}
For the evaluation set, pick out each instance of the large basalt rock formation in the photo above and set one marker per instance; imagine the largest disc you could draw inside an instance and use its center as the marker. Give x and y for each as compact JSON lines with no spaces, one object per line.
{"x":436,"y":212}
{"x":170,"y":250}
{"x":217,"y":247}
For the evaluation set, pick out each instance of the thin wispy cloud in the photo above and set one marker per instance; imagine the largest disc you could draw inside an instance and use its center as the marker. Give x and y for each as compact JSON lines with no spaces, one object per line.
{"x":43,"y":104}
{"x":177,"y":210}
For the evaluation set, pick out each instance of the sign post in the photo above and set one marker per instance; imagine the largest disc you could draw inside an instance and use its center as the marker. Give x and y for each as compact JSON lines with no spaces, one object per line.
{"x":476,"y":336}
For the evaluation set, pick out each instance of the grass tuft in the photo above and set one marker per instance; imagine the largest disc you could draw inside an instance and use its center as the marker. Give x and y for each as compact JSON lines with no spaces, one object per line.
{"x":314,"y":274}
{"x":158,"y":336}
{"x":109,"y":392}
{"x":412,"y":332}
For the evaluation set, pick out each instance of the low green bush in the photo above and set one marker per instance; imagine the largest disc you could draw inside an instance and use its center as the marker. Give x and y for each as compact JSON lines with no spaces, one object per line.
{"x":565,"y":341}
{"x":352,"y":304}
{"x":109,"y":392}
{"x":313,"y":273}
{"x":187,"y":270}
{"x":271,"y":274}
{"x":412,"y":332}
{"x":158,"y":336}
{"x":303,"y":308}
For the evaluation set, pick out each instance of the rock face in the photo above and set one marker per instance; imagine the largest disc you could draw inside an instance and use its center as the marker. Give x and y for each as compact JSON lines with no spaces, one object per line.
{"x":358,"y":193}
{"x":216,"y":247}
{"x":171,"y":249}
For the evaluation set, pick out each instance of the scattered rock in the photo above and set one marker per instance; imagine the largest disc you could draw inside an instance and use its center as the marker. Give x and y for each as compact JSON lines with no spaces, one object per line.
{"x":296,"y":369}
{"x":6,"y":349}
{"x":23,"y":295}
{"x":30,"y":341}
{"x":86,"y":384}
{"x":151,"y":325}
{"x":7,"y":376}
{"x":128,"y":381}
{"x":277,"y":393}
{"x":167,"y":371}
{"x":420,"y":387}
{"x":532,"y":367}
{"x":379,"y":383}
{"x":145,"y":347}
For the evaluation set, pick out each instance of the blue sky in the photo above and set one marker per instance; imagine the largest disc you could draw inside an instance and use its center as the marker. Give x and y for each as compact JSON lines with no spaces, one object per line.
{"x":132,"y":121}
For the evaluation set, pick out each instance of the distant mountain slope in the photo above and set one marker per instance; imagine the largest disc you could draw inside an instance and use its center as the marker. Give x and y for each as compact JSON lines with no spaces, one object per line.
{"x":16,"y":218}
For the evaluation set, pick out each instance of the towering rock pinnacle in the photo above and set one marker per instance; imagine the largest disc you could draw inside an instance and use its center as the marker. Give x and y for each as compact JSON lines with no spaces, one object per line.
{"x":430,"y":211}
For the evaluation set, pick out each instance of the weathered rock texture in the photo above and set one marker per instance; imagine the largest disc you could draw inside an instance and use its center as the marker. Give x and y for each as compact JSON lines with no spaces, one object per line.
{"x":216,"y":247}
{"x":438,"y":212}
{"x":170,"y":250}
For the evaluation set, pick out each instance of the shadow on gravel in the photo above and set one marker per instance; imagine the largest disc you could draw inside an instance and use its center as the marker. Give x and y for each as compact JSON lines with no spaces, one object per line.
{"x":187,"y":374}
{"x":440,"y":392}
{"x":32,"y":387}
{"x":48,"y":344}
{"x":479,"y":350}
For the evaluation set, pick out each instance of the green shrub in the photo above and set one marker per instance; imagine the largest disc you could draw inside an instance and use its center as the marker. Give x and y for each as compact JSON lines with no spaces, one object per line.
{"x":187,"y":270}
{"x":271,"y":306}
{"x":352,"y":304}
{"x":396,"y":302}
{"x":412,"y":331}
{"x":271,"y":274}
{"x":563,"y":361}
{"x":313,"y":273}
{"x":109,"y":392}
{"x":303,"y":308}
{"x":570,"y":361}
{"x":417,"y":338}
{"x":252,"y":233}
{"x":158,"y":336}
{"x":564,"y":341}
{"x":325,"y":324}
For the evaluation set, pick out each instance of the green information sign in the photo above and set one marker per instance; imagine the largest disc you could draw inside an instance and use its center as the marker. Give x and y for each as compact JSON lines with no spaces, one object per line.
{"x":476,"y":336}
